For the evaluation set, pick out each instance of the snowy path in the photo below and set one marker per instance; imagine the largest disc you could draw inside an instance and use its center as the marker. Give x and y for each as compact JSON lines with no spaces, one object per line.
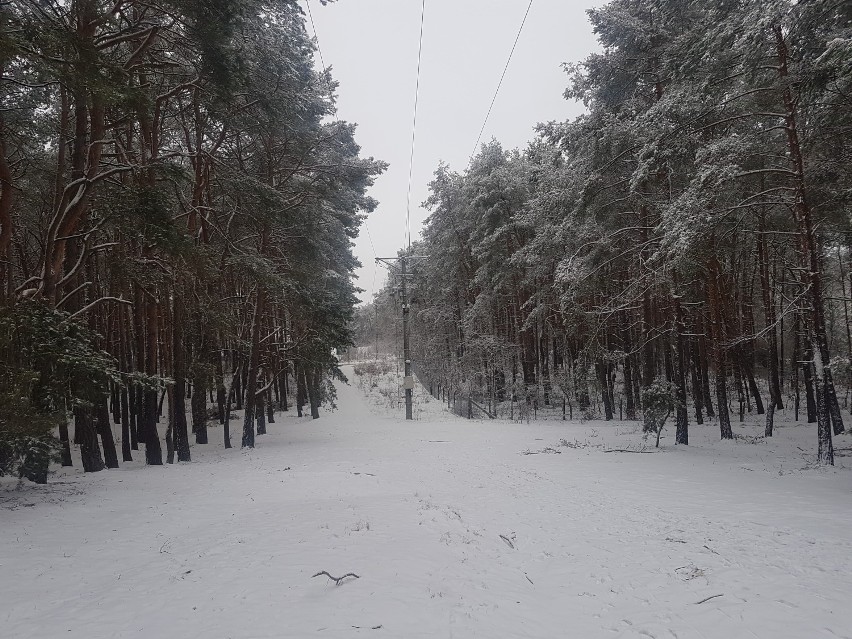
{"x":593,"y":544}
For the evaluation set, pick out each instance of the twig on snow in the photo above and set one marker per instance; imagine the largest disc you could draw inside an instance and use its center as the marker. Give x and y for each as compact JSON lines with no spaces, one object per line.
{"x":336,"y":580}
{"x":627,"y":450}
{"x":709,"y":598}
{"x":508,"y":541}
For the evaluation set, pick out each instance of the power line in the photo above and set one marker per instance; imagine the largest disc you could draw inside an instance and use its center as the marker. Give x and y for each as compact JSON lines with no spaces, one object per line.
{"x":370,"y":236}
{"x":414,"y":128}
{"x":316,"y":35}
{"x":500,"y":84}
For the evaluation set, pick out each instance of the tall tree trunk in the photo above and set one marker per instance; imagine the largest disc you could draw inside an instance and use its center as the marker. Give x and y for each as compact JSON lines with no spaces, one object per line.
{"x":313,"y":377}
{"x":124,"y":396}
{"x":254,"y":364}
{"x":630,"y":405}
{"x":284,"y":387}
{"x":153,"y":450}
{"x":681,"y":415}
{"x":104,"y":427}
{"x":603,"y":375}
{"x":717,"y":332}
{"x":180,"y":431}
{"x":170,"y":428}
{"x":7,"y":200}
{"x":826,"y":399}
{"x":87,"y":437}
{"x":260,"y":412}
{"x":237,"y":384}
{"x":704,"y":367}
{"x":771,"y":320}
{"x":126,"y":455}
{"x":695,"y":378}
{"x":648,"y":354}
{"x":807,"y":375}
{"x":199,"y":401}
{"x":301,"y":390}
{"x":65,"y":443}
{"x":226,"y":425}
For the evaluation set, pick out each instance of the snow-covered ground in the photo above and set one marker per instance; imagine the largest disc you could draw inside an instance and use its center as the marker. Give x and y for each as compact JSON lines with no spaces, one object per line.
{"x":455,"y":528}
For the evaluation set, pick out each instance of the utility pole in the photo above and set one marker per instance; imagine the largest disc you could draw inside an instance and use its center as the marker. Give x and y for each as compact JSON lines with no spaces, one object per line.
{"x":408,"y":382}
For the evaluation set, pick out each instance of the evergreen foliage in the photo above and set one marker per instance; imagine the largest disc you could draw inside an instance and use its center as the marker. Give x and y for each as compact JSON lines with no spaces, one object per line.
{"x":177,"y":213}
{"x":690,"y":231}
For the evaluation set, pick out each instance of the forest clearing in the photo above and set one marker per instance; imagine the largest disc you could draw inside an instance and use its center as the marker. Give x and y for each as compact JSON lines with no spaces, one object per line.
{"x":454,"y":528}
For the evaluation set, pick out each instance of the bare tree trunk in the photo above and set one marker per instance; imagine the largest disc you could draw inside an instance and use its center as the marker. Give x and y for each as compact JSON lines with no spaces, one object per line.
{"x":86,"y":436}
{"x":827,"y":409}
{"x":682,"y":416}
{"x":254,"y":364}
{"x":153,"y":451}
{"x":301,"y":389}
{"x":717,"y":331}
{"x":260,"y":412}
{"x":126,"y":455}
{"x":180,"y":432}
{"x":771,"y":320}
{"x":104,"y":428}
{"x":65,"y":442}
{"x":630,"y":405}
{"x":199,"y":401}
{"x":312,"y":381}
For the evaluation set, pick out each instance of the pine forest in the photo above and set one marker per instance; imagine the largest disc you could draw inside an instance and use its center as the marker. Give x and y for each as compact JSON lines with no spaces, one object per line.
{"x":178,"y":204}
{"x":516,"y":319}
{"x":682,"y":250}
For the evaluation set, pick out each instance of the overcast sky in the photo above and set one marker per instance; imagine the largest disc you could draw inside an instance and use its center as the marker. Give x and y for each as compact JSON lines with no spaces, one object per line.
{"x":371,"y":46}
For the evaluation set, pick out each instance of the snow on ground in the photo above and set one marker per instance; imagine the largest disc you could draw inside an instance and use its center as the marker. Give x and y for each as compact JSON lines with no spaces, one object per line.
{"x":456,"y":528}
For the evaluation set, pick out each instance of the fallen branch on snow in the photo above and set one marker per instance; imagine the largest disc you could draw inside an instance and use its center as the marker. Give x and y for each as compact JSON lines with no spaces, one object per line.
{"x":547,"y":450}
{"x":508,"y":541}
{"x":627,"y":450}
{"x":709,"y":598}
{"x":337,"y":580}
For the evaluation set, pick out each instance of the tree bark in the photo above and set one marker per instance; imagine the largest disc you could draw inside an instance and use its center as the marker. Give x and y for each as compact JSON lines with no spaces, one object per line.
{"x":717,"y":332}
{"x":824,"y":385}
{"x":180,"y":432}
{"x":199,"y":402}
{"x":771,"y":320}
{"x":681,"y":415}
{"x":104,"y":428}
{"x":254,"y":364}
{"x":150,"y":416}
{"x":65,"y":442}
{"x":312,"y":382}
{"x":87,"y":437}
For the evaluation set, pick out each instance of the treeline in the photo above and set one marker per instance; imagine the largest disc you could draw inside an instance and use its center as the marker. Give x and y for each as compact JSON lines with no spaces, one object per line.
{"x":177,"y":210}
{"x":683,"y":247}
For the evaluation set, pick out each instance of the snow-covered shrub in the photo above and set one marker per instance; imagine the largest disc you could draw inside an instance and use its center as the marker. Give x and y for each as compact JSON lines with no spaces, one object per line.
{"x":369,"y":372}
{"x":48,"y":365}
{"x":658,"y":402}
{"x":27,"y":444}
